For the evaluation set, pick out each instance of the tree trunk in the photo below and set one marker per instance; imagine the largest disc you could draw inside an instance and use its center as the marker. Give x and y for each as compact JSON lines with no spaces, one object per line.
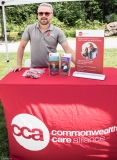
{"x":2,"y":23}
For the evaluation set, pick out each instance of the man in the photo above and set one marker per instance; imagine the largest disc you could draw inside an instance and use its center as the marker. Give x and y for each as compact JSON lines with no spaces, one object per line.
{"x":43,"y":37}
{"x":85,"y":53}
{"x":92,"y":51}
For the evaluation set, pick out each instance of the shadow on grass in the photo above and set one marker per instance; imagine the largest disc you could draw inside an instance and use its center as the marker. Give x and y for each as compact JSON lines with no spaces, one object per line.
{"x":4,"y":150}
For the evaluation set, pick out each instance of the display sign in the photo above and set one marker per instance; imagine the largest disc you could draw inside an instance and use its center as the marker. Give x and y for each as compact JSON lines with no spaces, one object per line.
{"x":89,"y":51}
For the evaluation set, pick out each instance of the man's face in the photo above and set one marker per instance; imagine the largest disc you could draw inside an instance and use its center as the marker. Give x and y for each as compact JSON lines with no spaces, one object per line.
{"x":44,"y":15}
{"x":90,"y":47}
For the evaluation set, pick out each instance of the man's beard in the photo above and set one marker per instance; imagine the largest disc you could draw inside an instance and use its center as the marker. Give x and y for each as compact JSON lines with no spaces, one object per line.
{"x":44,"y":21}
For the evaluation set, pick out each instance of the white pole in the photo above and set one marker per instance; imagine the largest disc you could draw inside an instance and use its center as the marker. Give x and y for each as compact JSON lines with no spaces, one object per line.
{"x":4,"y":23}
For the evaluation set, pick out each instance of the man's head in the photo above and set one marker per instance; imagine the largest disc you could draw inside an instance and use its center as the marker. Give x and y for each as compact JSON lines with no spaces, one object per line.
{"x":90,"y":47}
{"x":45,"y":13}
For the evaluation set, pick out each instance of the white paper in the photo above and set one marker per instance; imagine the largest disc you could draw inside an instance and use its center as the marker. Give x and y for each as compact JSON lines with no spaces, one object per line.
{"x":89,"y":75}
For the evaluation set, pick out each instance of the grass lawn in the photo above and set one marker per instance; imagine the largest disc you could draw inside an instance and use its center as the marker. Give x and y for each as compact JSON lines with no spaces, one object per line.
{"x":110,"y":60}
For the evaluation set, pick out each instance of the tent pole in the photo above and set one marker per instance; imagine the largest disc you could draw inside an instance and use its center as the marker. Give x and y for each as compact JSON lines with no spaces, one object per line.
{"x":4,"y":23}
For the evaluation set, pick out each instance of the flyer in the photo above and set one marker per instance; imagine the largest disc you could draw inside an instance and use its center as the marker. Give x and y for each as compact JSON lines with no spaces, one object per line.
{"x":53,"y":64}
{"x":65,"y":64}
{"x":90,"y":51}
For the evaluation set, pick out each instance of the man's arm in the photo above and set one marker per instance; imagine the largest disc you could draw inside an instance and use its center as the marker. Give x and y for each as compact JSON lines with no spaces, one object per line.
{"x":67,"y":49}
{"x":20,"y":54}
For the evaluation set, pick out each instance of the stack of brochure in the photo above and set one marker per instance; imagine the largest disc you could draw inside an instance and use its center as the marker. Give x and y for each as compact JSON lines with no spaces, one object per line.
{"x":65,"y":64}
{"x":53,"y":64}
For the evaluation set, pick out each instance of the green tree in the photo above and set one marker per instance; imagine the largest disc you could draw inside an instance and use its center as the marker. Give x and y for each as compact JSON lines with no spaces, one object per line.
{"x":19,"y":13}
{"x":93,"y":9}
{"x":69,"y":12}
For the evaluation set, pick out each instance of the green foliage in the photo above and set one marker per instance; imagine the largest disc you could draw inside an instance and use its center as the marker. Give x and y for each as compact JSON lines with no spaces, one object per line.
{"x":111,"y":18}
{"x":89,"y":24}
{"x":57,"y":23}
{"x":17,"y":28}
{"x":20,"y":13}
{"x":70,"y":32}
{"x":94,"y":10}
{"x":79,"y":24}
{"x":69,"y":12}
{"x":69,"y":16}
{"x":94,"y":25}
{"x":74,"y":14}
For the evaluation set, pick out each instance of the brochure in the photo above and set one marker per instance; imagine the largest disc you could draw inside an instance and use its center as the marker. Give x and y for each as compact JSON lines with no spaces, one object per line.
{"x":53,"y":64}
{"x":65,"y":64}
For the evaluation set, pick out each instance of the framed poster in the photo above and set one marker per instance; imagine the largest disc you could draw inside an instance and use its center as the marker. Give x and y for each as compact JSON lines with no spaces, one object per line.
{"x":89,"y":51}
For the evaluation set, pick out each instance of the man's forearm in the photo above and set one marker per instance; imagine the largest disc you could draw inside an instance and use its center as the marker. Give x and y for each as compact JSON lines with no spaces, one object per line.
{"x":73,"y":56}
{"x":20,"y":54}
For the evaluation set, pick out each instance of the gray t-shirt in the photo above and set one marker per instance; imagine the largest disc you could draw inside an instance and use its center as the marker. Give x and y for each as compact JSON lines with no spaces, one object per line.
{"x":43,"y":43}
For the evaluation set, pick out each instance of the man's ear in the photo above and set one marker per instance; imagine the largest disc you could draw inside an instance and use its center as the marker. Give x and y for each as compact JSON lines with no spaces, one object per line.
{"x":52,"y":15}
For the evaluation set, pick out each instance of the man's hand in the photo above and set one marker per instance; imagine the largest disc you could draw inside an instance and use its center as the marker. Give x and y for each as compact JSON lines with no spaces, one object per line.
{"x":17,"y":68}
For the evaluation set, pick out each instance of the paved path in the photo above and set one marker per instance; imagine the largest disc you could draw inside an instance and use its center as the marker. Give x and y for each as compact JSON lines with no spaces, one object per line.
{"x":12,"y":47}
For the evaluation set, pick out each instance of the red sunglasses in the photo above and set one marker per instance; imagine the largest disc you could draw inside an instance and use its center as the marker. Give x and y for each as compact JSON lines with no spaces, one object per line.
{"x":46,"y":13}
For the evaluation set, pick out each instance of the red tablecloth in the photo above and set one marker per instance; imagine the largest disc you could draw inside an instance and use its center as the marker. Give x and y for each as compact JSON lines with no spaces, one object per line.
{"x":60,"y":117}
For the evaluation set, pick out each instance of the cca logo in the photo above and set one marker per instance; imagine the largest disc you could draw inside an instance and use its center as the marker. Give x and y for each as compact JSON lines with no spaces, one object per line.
{"x":80,"y":33}
{"x":30,"y":132}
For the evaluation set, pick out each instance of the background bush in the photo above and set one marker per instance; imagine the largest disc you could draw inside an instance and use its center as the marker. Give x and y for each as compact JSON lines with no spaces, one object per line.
{"x":91,"y":14}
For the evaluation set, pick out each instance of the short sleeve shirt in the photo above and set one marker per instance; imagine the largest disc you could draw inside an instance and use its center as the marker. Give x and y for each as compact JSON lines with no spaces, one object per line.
{"x":42,"y":43}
